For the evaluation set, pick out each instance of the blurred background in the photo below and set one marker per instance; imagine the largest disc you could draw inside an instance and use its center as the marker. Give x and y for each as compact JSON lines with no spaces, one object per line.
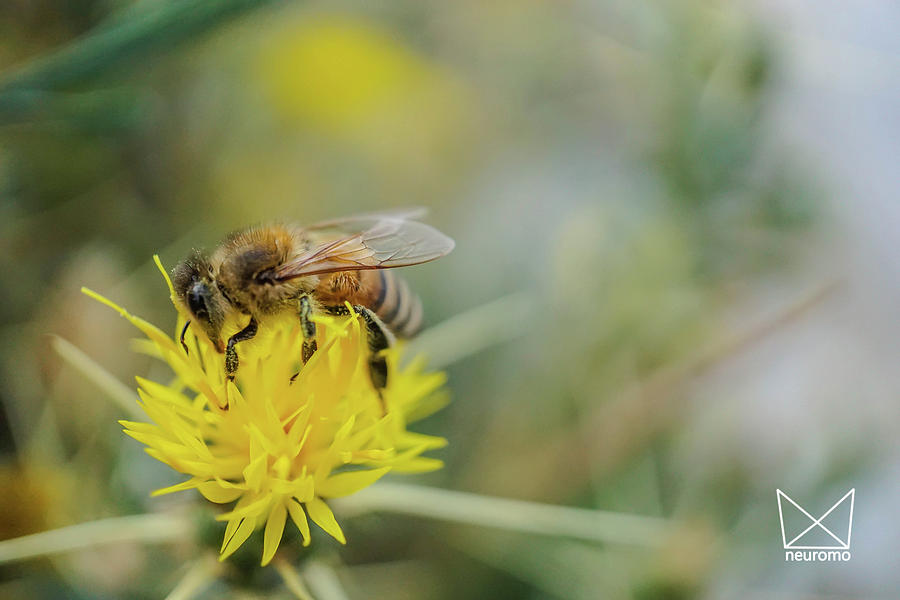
{"x":676,"y":268}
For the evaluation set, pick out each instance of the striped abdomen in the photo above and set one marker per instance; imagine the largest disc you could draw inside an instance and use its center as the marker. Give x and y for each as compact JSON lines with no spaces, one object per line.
{"x":395,"y":304}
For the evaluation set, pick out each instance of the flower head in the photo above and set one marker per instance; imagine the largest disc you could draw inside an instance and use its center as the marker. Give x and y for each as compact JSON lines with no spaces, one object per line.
{"x":280,"y":445}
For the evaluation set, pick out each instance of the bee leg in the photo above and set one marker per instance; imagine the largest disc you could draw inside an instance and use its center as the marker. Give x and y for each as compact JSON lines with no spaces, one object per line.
{"x":309,"y":332}
{"x":231,"y":357}
{"x":183,"y":333}
{"x":308,"y":328}
{"x":379,"y":339}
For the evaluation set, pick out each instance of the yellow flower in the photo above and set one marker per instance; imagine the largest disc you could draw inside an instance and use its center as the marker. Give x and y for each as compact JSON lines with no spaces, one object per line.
{"x":276,"y":446}
{"x":337,"y":72}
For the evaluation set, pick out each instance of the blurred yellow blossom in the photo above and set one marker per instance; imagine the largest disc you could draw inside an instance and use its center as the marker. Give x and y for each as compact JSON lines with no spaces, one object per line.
{"x":337,"y":72}
{"x":351,"y":79}
{"x":32,"y":497}
{"x":276,"y":446}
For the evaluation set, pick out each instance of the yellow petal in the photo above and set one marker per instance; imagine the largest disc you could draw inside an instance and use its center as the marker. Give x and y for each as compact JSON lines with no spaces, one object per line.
{"x":303,"y":488}
{"x":142,"y":346}
{"x":298,"y":446}
{"x":252,"y":509}
{"x":368,"y":456}
{"x":229,"y":532}
{"x":262,"y":442}
{"x":139,"y":427}
{"x":165,"y":275}
{"x":164,"y":392}
{"x":420,"y":464}
{"x":214,"y":492}
{"x":185,"y":485}
{"x":344,"y":431}
{"x":243,"y":531}
{"x":425,"y":442}
{"x":299,"y":519}
{"x":344,"y":484}
{"x":256,"y":472}
{"x":427,"y":406}
{"x":154,"y":441}
{"x":324,"y":518}
{"x":312,"y":366}
{"x":228,"y":484}
{"x":274,"y":529}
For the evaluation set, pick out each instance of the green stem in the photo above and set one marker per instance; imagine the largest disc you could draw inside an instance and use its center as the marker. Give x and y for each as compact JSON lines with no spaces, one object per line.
{"x":201,"y":574}
{"x":292,"y":580}
{"x":513,"y":515}
{"x":324,"y":581}
{"x":144,"y":528}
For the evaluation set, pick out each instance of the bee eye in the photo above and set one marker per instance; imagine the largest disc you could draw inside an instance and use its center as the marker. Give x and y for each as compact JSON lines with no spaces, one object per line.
{"x":196,"y":299}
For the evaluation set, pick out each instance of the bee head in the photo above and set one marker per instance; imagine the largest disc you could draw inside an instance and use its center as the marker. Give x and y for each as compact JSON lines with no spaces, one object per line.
{"x":195,"y":286}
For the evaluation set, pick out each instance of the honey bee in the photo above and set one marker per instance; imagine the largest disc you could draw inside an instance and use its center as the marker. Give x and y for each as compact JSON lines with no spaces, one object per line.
{"x":262,"y":271}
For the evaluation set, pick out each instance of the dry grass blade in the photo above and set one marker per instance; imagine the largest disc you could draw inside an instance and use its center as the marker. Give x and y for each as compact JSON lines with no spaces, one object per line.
{"x":118,"y":392}
{"x":472,"y":331}
{"x":144,"y":528}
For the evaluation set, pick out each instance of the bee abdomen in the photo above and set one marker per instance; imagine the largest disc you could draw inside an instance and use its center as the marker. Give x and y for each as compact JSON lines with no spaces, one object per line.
{"x":397,"y":306}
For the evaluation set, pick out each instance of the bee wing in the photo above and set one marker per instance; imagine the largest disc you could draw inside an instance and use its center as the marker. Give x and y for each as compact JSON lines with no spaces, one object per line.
{"x":363,"y":221}
{"x":390,"y":242}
